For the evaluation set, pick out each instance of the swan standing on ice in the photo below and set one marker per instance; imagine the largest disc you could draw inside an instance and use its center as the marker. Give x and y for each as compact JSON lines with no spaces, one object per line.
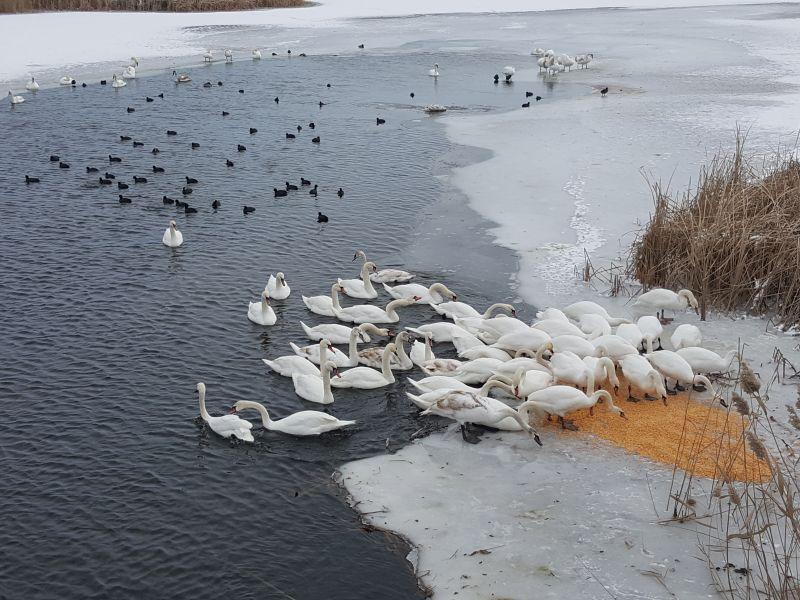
{"x":261,"y":313}
{"x":577,"y":309}
{"x":277,"y":287}
{"x":32,"y":85}
{"x":117,"y":82}
{"x":566,"y":61}
{"x":172,"y":237}
{"x":661,"y":299}
{"x":257,"y":56}
{"x":508,"y":73}
{"x":15,"y":99}
{"x":303,"y":423}
{"x":583,"y":60}
{"x":560,"y":400}
{"x":707,"y":361}
{"x":208,"y":56}
{"x":434,"y":72}
{"x":225,"y":426}
{"x":538,"y":52}
{"x":686,"y":336}
{"x":642,"y":376}
{"x":386,"y":275}
{"x":228,"y":55}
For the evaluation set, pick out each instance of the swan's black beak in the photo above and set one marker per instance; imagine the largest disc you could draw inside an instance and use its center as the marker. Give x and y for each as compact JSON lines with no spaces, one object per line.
{"x":513,"y":312}
{"x":536,"y":439}
{"x":355,"y":256}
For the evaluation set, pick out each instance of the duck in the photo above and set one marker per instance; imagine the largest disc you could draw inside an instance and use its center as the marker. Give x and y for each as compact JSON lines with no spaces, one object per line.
{"x":279,"y":193}
{"x":339,"y":358}
{"x":577,"y":309}
{"x":226,"y":426}
{"x":686,"y":336}
{"x":384,"y":275}
{"x":67,"y":80}
{"x":340,"y":334}
{"x":651,"y":330}
{"x":256,"y":54}
{"x":327,"y":306}
{"x":261,"y":313}
{"x":400,"y":361}
{"x":434,"y":294}
{"x":277,"y":287}
{"x":314,"y":388}
{"x":707,"y":361}
{"x":117,"y":82}
{"x":292,"y":363}
{"x":32,"y":85}
{"x":560,"y":400}
{"x":361,"y":288}
{"x":365,"y":378}
{"x":172,"y":237}
{"x":441,"y":332}
{"x":366,"y":313}
{"x":468,"y":407}
{"x":642,"y":376}
{"x":673,"y":366}
{"x":29,"y":179}
{"x":451,"y":310}
{"x":300,"y":424}
{"x":660,"y":299}
{"x":15,"y":99}
{"x":434,"y":72}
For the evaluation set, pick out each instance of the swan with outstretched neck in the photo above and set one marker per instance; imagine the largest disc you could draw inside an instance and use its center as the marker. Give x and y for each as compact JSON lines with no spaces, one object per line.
{"x":366,"y":313}
{"x":560,"y":400}
{"x":291,"y":364}
{"x":434,"y":294}
{"x":400,"y":361}
{"x":453,"y":310}
{"x":303,"y":423}
{"x":227,"y":425}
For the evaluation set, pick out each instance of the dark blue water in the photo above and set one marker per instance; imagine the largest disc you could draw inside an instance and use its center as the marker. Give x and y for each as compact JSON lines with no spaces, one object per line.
{"x":110,"y":487}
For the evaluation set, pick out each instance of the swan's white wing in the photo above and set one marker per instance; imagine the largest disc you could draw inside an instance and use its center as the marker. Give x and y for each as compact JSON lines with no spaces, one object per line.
{"x":308,"y":387}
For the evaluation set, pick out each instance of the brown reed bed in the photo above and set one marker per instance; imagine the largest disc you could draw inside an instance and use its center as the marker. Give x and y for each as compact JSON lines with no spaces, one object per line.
{"x":733,"y":238}
{"x":21,"y":6}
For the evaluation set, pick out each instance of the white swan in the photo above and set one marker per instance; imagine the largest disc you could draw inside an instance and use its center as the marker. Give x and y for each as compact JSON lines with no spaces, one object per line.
{"x":583,"y":60}
{"x":642,"y":376}
{"x":325,"y":305}
{"x":227,"y":425}
{"x":527,"y":382}
{"x":660,"y":299}
{"x":593,"y":325}
{"x":556,"y":327}
{"x":494,"y":328}
{"x":172,"y":237}
{"x":261,"y":313}
{"x":117,"y":82}
{"x":453,"y":310}
{"x":531,"y":339}
{"x":441,"y":366}
{"x":468,"y":407}
{"x":422,"y":352}
{"x":134,"y":62}
{"x":129,"y":72}
{"x":476,"y":371}
{"x":631,"y":333}
{"x":706,"y":361}
{"x":686,"y":336}
{"x":569,"y":368}
{"x":366,"y":313}
{"x":651,"y":330}
{"x":277,"y":287}
{"x":66,"y":80}
{"x":442,"y":382}
{"x":441,"y":332}
{"x":180,"y":78}
{"x":386,"y":275}
{"x":426,"y":398}
{"x":32,"y":85}
{"x":613,"y":346}
{"x":365,"y":378}
{"x":526,"y":359}
{"x":427,"y":295}
{"x":538,"y":52}
{"x":603,"y":370}
{"x":256,"y":54}
{"x":576,"y":310}
{"x":340,"y":334}
{"x":566,"y":61}
{"x":508,"y":73}
{"x":400,"y":361}
{"x":464,"y":340}
{"x":208,"y":56}
{"x":484,"y":352}
{"x":673,"y":366}
{"x":313,"y":387}
{"x":573,"y":343}
{"x":15,"y":99}
{"x":560,"y":400}
{"x":339,"y":358}
{"x":228,"y":55}
{"x":361,"y":288}
{"x":434,"y":72}
{"x":303,"y":423}
{"x":292,"y":363}
{"x":551,"y":313}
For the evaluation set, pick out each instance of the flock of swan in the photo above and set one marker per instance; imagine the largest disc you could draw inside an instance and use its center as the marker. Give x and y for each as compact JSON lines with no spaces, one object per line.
{"x":554,"y":64}
{"x":566,"y":360}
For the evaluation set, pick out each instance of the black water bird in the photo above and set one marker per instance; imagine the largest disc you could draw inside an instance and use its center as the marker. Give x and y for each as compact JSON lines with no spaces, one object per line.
{"x":241,"y":148}
{"x":241,"y":91}
{"x":180,"y":204}
{"x":186,"y":191}
{"x":604,"y":91}
{"x":91,"y":169}
{"x":302,"y":54}
{"x":189,"y":210}
{"x":312,"y":125}
{"x":321,"y":103}
{"x":216,"y":204}
{"x":290,"y":187}
{"x":315,"y":140}
{"x":340,"y":193}
{"x":411,"y":94}
{"x":528,"y":94}
{"x":122,"y":186}
{"x":29,"y":179}
{"x":279,"y":193}
{"x":124,"y":200}
{"x":114,"y":159}
{"x":253,"y":130}
{"x":538,"y":98}
{"x":248,"y":209}
{"x":328,"y":85}
{"x":299,"y":129}
{"x":274,"y":54}
{"x":54,"y":158}
{"x":304,"y":181}
{"x":288,"y":52}
{"x":225,"y":113}
{"x":207,"y":84}
{"x":148,"y":99}
{"x":161,"y":95}
{"x":190,"y":180}
{"x":171,"y":132}
{"x":361,"y":46}
{"x":195,"y":145}
{"x":277,"y":100}
{"x":155,"y":150}
{"x":290,"y":136}
{"x":109,"y":175}
{"x":496,"y":78}
{"x":138,"y":144}
{"x":103,"y":82}
{"x":83,"y":84}
{"x":228,"y":162}
{"x":137,"y":179}
{"x":526,"y":105}
{"x":158,"y":169}
{"x":125,"y":138}
{"x":322,"y":218}
{"x":380,"y":121}
{"x":219,"y":83}
{"x":130,"y":110}
{"x":63,"y":165}
{"x":105,"y":181}
{"x":313,"y":191}
{"x":167,"y":200}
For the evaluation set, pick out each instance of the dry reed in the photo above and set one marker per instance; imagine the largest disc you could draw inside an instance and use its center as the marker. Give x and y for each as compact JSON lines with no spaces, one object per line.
{"x":733,"y":238}
{"x":20,"y":6}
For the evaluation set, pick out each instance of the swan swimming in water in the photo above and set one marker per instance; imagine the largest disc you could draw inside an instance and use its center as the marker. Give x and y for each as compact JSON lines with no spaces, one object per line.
{"x":508,"y":73}
{"x":325,"y":305}
{"x":434,"y":294}
{"x":314,"y":388}
{"x":361,"y":288}
{"x":365,"y":378}
{"x":129,"y":72}
{"x":290,"y":364}
{"x":340,"y":334}
{"x":172,"y":237}
{"x":434,"y":72}
{"x":15,"y":99}
{"x":367,"y":313}
{"x":261,"y":313}
{"x":303,"y":423}
{"x":277,"y":287}
{"x":257,"y":56}
{"x":182,"y":78}
{"x":117,"y":82}
{"x":339,"y":358}
{"x":225,"y":426}
{"x":386,"y":275}
{"x":32,"y":85}
{"x":66,"y":80}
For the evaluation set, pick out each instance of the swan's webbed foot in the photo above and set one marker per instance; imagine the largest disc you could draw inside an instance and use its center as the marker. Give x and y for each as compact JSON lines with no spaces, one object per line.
{"x":679,"y":387}
{"x":672,"y":392}
{"x":633,"y":399}
{"x":699,"y":388}
{"x":468,"y":436}
{"x":565,"y":424}
{"x":648,"y":397}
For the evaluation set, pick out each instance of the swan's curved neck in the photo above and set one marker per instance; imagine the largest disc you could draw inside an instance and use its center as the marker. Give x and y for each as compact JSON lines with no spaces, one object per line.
{"x":203,"y":411}
{"x":540,"y":358}
{"x":352,"y":350}
{"x":494,"y":307}
{"x":391,"y":309}
{"x":365,"y":268}
{"x":401,"y":351}
{"x":327,"y":394}
{"x":385,"y":370}
{"x":264,"y":305}
{"x":649,"y":339}
{"x":335,"y":297}
{"x":266,"y":422}
{"x":323,"y":352}
{"x":428,"y":350}
{"x":495,"y":383}
{"x":590,"y":382}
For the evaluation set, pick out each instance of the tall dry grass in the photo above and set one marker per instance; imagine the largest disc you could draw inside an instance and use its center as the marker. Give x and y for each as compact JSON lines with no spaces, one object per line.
{"x":733,"y":239}
{"x":18,"y":6}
